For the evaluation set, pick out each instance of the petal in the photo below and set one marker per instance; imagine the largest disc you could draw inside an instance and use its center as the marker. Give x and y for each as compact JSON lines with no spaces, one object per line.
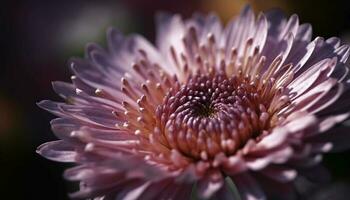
{"x":280,"y":37}
{"x":279,"y":155}
{"x":248,"y":187}
{"x":91,"y":75}
{"x":337,"y":138}
{"x":225,"y":192}
{"x":245,"y":27}
{"x":209,"y":184}
{"x":235,"y":164}
{"x":206,"y":24}
{"x":279,"y":173}
{"x":302,"y":48}
{"x":275,"y":138}
{"x":170,"y":32}
{"x":52,"y":107}
{"x":91,"y":115}
{"x":170,"y":190}
{"x":57,"y":151}
{"x":317,"y":173}
{"x":113,"y":176}
{"x":103,"y":62}
{"x":341,"y":105}
{"x":133,"y":193}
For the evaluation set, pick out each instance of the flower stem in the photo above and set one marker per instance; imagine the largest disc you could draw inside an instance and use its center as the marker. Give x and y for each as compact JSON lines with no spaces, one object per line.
{"x":232,"y":187}
{"x":194,"y":192}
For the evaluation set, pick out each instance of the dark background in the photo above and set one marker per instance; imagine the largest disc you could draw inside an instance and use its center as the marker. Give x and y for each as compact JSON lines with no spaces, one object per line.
{"x":38,"y":37}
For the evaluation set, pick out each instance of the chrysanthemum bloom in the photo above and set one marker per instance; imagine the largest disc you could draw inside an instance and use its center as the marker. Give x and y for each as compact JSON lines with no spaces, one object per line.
{"x":256,"y":101}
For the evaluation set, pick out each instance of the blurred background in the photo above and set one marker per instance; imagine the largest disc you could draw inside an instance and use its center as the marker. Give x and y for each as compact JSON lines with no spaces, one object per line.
{"x":38,"y":37}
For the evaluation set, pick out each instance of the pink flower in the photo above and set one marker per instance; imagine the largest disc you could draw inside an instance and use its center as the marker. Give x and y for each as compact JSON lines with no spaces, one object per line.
{"x":256,"y":101}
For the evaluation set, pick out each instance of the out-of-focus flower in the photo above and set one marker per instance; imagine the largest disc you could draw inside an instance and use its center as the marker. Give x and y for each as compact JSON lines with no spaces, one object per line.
{"x":254,"y":101}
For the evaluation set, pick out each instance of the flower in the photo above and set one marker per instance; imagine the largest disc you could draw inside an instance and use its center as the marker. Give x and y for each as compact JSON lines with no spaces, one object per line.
{"x":256,"y":101}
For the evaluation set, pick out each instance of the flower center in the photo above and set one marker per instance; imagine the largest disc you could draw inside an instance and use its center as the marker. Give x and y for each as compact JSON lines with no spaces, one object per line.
{"x":212,"y":114}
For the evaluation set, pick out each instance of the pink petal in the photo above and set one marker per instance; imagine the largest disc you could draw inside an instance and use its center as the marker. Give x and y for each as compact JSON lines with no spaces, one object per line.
{"x":248,"y":187}
{"x":57,"y":151}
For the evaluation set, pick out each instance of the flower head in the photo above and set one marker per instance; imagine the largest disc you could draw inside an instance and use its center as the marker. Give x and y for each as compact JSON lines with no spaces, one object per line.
{"x":255,"y":101}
